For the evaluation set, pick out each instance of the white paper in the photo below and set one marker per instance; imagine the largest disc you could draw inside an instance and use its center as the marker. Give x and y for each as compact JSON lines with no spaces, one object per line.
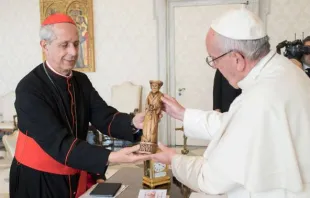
{"x":152,"y":193}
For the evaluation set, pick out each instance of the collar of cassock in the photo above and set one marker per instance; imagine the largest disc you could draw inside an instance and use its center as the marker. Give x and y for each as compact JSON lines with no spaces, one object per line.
{"x":60,"y":80}
{"x":254,"y":73}
{"x":53,"y":70}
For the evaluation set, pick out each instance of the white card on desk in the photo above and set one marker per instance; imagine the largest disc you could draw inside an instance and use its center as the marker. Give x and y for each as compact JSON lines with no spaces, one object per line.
{"x":152,"y":193}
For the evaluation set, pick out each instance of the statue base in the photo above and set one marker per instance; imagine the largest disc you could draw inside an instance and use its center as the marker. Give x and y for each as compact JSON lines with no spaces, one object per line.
{"x":153,"y":183}
{"x":148,"y":147}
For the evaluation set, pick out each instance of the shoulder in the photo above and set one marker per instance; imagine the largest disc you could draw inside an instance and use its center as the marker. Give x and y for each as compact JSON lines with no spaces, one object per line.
{"x":267,"y":97}
{"x":32,"y":80}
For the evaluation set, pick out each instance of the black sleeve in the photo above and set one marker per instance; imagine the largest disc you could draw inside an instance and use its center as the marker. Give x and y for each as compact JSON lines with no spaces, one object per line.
{"x":217,"y":90}
{"x":108,"y":120}
{"x":96,"y":176}
{"x":38,"y":118}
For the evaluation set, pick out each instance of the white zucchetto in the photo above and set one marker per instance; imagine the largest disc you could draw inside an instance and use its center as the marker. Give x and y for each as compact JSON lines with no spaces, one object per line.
{"x":239,"y":24}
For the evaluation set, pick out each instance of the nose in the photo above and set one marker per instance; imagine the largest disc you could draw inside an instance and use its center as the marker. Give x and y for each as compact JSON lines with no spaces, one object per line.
{"x":73,"y":50}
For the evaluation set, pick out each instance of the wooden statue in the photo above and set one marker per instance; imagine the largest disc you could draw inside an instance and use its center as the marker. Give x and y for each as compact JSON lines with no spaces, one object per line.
{"x":153,"y":109}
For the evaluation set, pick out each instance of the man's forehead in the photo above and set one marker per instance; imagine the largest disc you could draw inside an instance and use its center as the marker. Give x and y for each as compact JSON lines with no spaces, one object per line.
{"x":210,"y":42}
{"x":210,"y":36}
{"x":65,"y":32}
{"x":67,"y":27}
{"x":307,"y":43}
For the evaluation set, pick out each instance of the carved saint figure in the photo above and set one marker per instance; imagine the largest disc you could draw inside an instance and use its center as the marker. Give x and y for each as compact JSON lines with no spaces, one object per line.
{"x":152,"y":113}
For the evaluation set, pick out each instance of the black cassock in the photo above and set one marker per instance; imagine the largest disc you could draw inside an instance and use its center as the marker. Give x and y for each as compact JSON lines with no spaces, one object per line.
{"x":223,"y":93}
{"x":54,"y":110}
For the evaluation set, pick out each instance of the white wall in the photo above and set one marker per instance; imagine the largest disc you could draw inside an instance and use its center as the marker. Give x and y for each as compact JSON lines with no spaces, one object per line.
{"x":125,"y":43}
{"x":19,"y":41}
{"x":125,"y":39}
{"x":285,"y":18}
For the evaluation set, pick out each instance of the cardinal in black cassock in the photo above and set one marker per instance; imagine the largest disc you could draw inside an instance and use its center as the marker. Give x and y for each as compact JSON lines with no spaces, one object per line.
{"x":54,"y":112}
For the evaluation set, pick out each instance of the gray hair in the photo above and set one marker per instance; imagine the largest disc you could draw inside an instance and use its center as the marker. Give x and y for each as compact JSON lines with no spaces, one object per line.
{"x":250,"y":49}
{"x":47,"y":33}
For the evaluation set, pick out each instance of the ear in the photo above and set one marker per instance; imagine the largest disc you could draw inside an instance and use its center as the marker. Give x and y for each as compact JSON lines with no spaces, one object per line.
{"x":240,"y":62}
{"x":44,"y":47}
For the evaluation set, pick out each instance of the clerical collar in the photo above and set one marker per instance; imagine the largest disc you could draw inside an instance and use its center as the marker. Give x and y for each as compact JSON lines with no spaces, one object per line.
{"x":53,"y":70}
{"x":254,"y":73}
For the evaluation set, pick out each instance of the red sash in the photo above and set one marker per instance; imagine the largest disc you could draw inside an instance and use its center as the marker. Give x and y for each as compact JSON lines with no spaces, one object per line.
{"x":30,"y":154}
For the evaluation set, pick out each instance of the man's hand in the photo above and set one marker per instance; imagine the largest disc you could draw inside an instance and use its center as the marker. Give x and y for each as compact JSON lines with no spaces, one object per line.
{"x":172,"y":107}
{"x":127,"y":155}
{"x":138,"y":120}
{"x":218,"y":110}
{"x":165,"y":156}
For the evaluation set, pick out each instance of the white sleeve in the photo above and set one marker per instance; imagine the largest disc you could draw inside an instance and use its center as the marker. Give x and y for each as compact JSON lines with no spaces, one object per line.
{"x":201,"y":124}
{"x":197,"y":174}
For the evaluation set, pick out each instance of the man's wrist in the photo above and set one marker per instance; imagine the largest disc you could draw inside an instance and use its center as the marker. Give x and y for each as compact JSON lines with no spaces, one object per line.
{"x":181,"y":114}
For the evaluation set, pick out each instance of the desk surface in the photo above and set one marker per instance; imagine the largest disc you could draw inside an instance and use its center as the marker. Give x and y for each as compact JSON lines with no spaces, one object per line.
{"x":133,"y":178}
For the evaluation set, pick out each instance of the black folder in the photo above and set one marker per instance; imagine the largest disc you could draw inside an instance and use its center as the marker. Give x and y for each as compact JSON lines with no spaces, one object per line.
{"x":106,"y":189}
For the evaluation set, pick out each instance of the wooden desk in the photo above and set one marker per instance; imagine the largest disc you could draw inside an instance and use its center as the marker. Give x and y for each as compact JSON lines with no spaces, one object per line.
{"x":133,"y":178}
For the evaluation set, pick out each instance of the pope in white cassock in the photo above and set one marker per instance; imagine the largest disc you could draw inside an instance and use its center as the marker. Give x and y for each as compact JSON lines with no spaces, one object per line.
{"x":260,"y":148}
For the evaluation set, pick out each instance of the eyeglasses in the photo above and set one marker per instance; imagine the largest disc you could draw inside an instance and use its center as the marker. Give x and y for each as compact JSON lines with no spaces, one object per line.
{"x":211,"y":60}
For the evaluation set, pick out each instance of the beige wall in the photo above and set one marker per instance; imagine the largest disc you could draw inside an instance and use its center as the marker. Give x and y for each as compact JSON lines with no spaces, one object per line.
{"x":125,"y":43}
{"x":287,"y":17}
{"x":125,"y":39}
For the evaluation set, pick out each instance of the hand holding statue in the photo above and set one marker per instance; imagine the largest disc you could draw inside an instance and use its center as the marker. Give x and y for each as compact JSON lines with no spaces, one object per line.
{"x":172,"y":107}
{"x":128,"y":155}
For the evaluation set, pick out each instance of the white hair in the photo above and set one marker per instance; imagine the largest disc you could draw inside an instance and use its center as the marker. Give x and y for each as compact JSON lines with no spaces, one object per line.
{"x":250,"y":49}
{"x":47,"y":33}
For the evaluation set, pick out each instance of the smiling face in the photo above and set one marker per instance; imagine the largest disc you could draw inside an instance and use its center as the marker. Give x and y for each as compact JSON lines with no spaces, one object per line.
{"x":62,"y":52}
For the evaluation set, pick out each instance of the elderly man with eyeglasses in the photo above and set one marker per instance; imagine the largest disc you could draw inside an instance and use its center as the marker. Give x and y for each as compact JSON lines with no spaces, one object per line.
{"x":260,"y":147}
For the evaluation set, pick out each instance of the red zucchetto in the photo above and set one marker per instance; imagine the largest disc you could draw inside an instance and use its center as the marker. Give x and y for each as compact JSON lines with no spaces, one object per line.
{"x":58,"y":18}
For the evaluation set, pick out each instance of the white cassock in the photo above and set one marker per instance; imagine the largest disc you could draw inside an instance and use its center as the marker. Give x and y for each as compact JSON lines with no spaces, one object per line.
{"x":261,"y":147}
